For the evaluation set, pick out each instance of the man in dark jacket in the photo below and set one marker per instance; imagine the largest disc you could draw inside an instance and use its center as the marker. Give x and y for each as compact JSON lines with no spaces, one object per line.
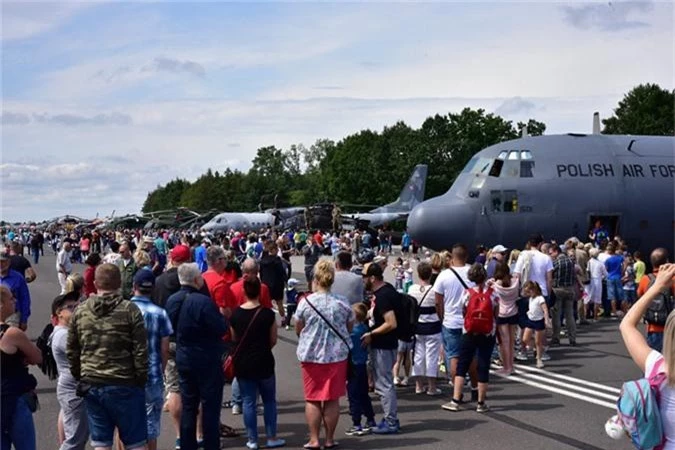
{"x":199,"y":328}
{"x":108,"y":350}
{"x":273,"y":274}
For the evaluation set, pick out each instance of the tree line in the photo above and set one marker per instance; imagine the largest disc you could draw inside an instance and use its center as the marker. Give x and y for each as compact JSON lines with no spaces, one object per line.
{"x":370,"y":167}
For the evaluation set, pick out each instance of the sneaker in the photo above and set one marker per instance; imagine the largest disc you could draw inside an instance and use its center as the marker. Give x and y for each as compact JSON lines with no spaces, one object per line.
{"x":482,"y":408}
{"x":355,"y":430}
{"x":451,"y":406}
{"x":200,"y":443}
{"x":474,"y":395}
{"x":236,"y":410}
{"x":177,"y":447}
{"x":451,"y":383}
{"x":404,"y":381}
{"x":252,"y":445}
{"x":503,"y":372}
{"x":368,"y":427}
{"x":555,"y":342}
{"x":288,"y":327}
{"x":540,"y":364}
{"x":435,"y":392}
{"x":521,"y":356}
{"x":274,"y":443}
{"x":386,"y":428}
{"x":397,"y":381}
{"x":545,"y":357}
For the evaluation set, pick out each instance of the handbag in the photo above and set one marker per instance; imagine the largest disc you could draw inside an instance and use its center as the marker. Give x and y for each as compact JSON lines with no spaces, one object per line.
{"x":351,"y":370}
{"x":228,"y":362}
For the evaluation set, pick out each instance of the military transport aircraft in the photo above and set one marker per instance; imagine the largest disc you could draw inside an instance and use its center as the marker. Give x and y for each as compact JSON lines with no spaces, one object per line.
{"x":559,"y":186}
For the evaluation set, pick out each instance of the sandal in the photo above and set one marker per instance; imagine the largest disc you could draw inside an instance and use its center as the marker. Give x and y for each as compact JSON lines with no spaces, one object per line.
{"x":311,"y":447}
{"x":228,"y":432}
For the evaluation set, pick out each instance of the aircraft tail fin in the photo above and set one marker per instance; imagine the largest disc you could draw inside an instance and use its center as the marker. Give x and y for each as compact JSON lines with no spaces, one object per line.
{"x":412,"y":193}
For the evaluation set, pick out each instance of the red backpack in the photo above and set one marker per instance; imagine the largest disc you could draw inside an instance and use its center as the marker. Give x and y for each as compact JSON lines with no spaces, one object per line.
{"x":479,"y":317}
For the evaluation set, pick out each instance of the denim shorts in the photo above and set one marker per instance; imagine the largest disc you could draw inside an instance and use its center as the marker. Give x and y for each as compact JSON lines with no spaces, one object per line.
{"x":615,"y":290}
{"x":452,"y":342}
{"x":154,"y":403}
{"x":121,"y":407}
{"x":404,"y":346}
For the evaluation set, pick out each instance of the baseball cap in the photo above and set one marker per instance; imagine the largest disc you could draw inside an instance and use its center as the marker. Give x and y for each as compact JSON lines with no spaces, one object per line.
{"x":499,"y":249}
{"x":379,"y":259}
{"x":144,"y":279}
{"x":63,"y":298}
{"x":372,"y":269}
{"x":180,"y":253}
{"x":292,"y":282}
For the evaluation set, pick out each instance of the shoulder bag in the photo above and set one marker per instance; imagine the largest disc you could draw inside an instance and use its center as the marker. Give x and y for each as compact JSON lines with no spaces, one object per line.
{"x":228,"y":362}
{"x":351,"y":370}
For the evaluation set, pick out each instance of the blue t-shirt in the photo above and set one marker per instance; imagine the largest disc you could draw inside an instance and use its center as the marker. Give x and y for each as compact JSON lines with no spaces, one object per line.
{"x":291,"y":297}
{"x":614,"y":266}
{"x":359,"y":353}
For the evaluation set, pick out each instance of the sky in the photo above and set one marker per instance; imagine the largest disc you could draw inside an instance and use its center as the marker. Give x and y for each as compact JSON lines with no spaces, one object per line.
{"x":103,"y":101}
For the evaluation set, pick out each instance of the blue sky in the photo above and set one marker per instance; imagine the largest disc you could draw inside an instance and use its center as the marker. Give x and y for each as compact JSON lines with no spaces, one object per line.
{"x":104,"y":100}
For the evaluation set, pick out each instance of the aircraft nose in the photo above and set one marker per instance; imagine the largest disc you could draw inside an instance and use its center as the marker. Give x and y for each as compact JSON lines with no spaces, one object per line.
{"x":436,"y":223}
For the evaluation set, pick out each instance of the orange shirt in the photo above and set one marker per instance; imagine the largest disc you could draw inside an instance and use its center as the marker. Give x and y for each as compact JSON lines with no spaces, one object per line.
{"x":642,"y":288}
{"x":220,"y":291}
{"x":238,"y":291}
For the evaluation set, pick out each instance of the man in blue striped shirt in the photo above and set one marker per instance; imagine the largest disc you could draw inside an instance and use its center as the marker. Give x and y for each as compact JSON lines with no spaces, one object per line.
{"x":159,"y":329}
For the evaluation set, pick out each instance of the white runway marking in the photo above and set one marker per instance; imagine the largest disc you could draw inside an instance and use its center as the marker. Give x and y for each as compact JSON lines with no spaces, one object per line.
{"x":572,"y":387}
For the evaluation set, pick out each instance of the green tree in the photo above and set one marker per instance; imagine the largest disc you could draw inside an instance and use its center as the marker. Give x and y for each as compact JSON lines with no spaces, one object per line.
{"x":166,"y":197}
{"x":647,"y":109}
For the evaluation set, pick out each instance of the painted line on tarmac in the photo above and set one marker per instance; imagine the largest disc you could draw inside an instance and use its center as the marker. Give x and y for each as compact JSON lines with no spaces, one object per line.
{"x":565,"y":389}
{"x":568,"y":378}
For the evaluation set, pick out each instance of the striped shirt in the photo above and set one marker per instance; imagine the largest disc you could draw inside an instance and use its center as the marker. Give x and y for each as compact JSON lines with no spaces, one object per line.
{"x":158,"y":326}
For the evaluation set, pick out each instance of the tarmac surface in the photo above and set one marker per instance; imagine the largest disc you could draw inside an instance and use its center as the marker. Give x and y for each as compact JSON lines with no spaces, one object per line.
{"x":563,"y":406}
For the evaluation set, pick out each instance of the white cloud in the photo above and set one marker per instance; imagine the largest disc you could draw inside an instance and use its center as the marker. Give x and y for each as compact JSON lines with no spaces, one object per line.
{"x":26,"y":19}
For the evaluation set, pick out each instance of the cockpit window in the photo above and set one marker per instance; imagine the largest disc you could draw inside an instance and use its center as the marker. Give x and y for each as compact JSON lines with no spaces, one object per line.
{"x":513,"y":155}
{"x":502,"y":155}
{"x":219,"y":220}
{"x":478,"y":166}
{"x":525,"y":154}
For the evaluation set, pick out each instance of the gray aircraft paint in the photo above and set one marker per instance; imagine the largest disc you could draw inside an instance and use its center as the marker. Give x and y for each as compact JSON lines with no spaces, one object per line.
{"x":239,"y":221}
{"x":411,"y":195}
{"x":573,"y":177}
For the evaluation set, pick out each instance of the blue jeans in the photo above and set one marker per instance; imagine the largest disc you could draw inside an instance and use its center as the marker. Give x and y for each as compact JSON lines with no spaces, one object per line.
{"x":201,"y":385}
{"x":236,"y":392}
{"x":154,"y":402}
{"x":249,"y":393}
{"x":452,"y":344}
{"x":22,"y":432}
{"x":359,"y":400}
{"x":121,"y":407}
{"x":655,"y":341}
{"x":36,"y":255}
{"x":615,"y":291}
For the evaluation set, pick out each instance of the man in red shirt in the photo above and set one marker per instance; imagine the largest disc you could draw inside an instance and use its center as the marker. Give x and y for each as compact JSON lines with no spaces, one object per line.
{"x":215,"y":281}
{"x":318,"y":238}
{"x":249,"y":269}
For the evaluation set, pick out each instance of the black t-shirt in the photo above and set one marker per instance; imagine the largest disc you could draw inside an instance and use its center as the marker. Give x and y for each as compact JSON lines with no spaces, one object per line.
{"x":19,"y":263}
{"x":386,"y":299}
{"x":254,"y":359}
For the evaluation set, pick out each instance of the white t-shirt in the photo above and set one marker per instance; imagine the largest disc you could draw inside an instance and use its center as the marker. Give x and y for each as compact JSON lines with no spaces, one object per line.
{"x":534,"y":311}
{"x":539,"y":266}
{"x":424,"y":292}
{"x":63,"y":259}
{"x":667,"y":400}
{"x":597,"y":269}
{"x":452,"y":291}
{"x":604,"y":256}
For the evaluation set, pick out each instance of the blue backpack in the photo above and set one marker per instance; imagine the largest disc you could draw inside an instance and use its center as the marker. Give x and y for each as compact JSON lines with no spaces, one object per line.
{"x":638,"y":410}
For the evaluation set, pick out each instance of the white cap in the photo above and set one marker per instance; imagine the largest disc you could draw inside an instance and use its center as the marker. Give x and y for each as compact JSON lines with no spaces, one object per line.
{"x":499,"y":249}
{"x":292,"y":282}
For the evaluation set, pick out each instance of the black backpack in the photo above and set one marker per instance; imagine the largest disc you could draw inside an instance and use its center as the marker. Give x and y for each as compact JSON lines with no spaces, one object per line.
{"x":407,"y":314}
{"x":48,"y":365}
{"x":661,"y":305}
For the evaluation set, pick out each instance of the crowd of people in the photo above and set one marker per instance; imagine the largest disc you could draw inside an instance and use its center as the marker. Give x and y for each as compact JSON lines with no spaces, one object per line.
{"x":149,"y":324}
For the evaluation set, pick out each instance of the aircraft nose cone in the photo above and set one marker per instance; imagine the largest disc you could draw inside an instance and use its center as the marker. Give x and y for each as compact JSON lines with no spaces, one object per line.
{"x":423,"y":223}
